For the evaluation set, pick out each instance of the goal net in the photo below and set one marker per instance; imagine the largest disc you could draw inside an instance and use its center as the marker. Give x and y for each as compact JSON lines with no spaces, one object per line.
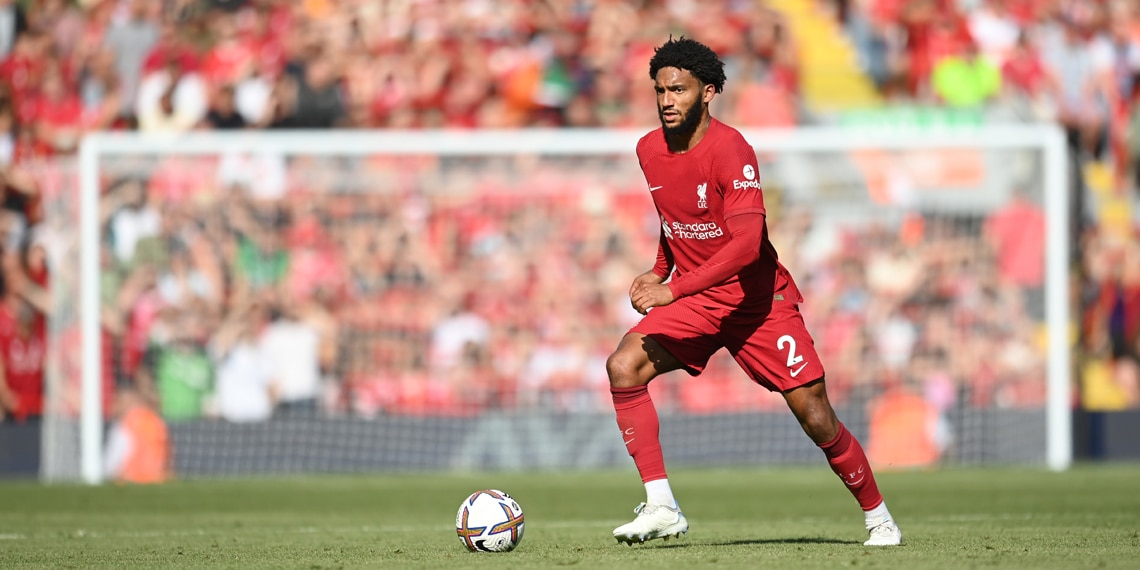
{"x":381,"y":301}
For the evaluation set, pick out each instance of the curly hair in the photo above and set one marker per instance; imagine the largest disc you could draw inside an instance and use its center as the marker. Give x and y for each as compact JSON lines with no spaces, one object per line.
{"x":692,"y":56}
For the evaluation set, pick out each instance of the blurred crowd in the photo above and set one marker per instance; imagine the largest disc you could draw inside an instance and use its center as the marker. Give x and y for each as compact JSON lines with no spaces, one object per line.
{"x":252,"y":286}
{"x":476,"y":284}
{"x":1075,"y":63}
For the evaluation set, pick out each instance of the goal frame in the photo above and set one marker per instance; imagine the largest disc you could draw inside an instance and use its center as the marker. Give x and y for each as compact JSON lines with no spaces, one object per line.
{"x":1048,"y":139}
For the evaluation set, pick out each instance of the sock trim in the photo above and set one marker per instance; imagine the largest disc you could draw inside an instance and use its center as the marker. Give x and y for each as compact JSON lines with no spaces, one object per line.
{"x":625,"y":398}
{"x":830,"y":445}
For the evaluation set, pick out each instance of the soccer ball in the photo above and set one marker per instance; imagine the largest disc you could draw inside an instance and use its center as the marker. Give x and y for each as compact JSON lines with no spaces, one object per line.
{"x":489,"y":521}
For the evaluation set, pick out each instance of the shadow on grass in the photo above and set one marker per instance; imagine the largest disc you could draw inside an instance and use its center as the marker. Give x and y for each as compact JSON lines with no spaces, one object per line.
{"x":754,"y":541}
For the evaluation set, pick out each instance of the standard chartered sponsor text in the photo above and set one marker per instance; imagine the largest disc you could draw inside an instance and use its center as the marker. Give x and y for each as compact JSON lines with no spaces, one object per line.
{"x":706,"y":230}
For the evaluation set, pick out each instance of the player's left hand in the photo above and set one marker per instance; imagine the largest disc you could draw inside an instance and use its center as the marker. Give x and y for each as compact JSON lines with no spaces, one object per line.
{"x":648,"y":295}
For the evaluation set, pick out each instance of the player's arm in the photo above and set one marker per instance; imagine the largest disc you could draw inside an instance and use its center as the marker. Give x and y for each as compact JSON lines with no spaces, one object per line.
{"x":660,"y":272}
{"x":663,"y":267}
{"x":736,"y":173}
{"x":746,"y":232}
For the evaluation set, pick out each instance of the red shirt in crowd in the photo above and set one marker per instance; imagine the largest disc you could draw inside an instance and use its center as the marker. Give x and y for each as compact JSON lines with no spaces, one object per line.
{"x":1025,"y":72}
{"x":22,"y":349}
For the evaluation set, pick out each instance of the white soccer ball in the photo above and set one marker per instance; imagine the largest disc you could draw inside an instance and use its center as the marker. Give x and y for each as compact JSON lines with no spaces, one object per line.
{"x":489,"y":521}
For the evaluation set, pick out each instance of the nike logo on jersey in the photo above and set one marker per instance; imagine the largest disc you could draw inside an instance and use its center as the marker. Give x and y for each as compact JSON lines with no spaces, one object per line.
{"x":652,"y":188}
{"x":797,"y":371}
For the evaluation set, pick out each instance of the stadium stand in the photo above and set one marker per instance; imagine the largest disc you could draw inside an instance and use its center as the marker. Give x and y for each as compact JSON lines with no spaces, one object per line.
{"x":69,"y":68}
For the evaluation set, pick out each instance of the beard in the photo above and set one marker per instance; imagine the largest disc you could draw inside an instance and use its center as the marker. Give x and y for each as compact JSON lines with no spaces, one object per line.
{"x":691,"y":117}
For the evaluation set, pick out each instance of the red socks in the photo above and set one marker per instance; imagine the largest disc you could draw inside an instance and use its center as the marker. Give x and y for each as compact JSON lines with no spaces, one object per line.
{"x":640,"y":430}
{"x":849,"y":462}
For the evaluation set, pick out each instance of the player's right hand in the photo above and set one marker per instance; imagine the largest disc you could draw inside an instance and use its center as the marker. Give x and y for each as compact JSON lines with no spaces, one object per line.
{"x":647,"y":278}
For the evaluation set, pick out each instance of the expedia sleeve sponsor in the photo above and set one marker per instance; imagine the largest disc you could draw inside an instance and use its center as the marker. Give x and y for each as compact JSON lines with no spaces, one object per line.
{"x":742,"y":184}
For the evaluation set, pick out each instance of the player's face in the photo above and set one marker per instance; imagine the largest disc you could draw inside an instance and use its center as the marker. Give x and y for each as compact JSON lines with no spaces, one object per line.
{"x":681,"y":100}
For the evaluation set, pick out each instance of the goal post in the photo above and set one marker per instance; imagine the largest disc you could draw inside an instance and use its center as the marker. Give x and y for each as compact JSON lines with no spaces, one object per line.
{"x":841,"y":175}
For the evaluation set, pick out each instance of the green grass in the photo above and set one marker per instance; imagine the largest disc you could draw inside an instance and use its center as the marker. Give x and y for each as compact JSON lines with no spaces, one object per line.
{"x":1088,"y":517}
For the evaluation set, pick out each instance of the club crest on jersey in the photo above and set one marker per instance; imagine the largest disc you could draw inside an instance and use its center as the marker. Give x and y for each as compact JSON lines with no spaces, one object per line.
{"x":702,"y":189}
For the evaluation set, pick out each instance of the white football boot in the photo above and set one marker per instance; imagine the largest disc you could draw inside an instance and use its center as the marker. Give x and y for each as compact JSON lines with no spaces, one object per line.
{"x":884,"y":532}
{"x":653,"y":521}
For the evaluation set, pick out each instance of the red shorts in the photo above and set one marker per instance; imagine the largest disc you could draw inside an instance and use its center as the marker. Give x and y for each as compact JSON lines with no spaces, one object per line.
{"x":774,"y":348}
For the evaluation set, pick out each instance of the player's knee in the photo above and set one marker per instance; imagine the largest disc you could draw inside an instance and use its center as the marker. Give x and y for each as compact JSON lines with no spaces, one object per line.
{"x":814,"y":412}
{"x":623,"y":369}
{"x":821,"y":425}
{"x":820,"y":422}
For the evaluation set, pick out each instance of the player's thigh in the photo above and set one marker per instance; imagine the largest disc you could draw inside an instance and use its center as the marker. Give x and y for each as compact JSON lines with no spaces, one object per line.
{"x":637,"y":360}
{"x":778,"y":353}
{"x":684,"y":332}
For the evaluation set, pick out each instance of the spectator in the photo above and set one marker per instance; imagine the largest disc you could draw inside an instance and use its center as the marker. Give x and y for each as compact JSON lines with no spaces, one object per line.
{"x":171,"y":99}
{"x":459,"y":334}
{"x":966,"y":79}
{"x":1083,"y":104}
{"x":318,"y":101}
{"x":7,"y":132}
{"x":292,"y":343}
{"x":176,"y":366}
{"x":22,"y":351}
{"x":131,"y":40}
{"x":131,"y":217}
{"x":100,"y":91}
{"x":223,"y":114}
{"x":59,"y":119}
{"x":906,"y":431}
{"x":1025,"y":78}
{"x":261,"y":260}
{"x":181,"y":283}
{"x":23,"y":71}
{"x":13,"y":22}
{"x":244,"y":391}
{"x":229,"y":57}
{"x":138,"y":442}
{"x":995,"y":29}
{"x":1016,"y":232}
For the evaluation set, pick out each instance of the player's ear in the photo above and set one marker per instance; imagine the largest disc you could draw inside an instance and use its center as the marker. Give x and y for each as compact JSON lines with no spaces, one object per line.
{"x":708,"y":91}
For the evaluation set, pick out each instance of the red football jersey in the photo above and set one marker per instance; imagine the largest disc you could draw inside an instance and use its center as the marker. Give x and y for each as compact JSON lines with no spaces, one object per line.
{"x":695,"y":192}
{"x":23,"y":363}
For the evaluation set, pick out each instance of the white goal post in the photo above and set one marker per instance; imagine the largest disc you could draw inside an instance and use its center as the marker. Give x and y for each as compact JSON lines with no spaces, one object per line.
{"x":1047,"y":140}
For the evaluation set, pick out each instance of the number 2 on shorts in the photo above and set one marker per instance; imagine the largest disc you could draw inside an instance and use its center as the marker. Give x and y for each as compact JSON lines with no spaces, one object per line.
{"x":793,"y":358}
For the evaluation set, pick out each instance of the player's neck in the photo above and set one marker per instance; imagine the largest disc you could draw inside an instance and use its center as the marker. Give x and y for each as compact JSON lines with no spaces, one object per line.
{"x":680,"y":143}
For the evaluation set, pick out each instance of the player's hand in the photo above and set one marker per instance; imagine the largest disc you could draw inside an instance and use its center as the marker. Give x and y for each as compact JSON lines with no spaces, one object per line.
{"x":649,"y":295}
{"x":647,"y":278}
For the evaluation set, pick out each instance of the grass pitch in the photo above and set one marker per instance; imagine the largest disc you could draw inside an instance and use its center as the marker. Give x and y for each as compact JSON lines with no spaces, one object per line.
{"x":1088,"y":517}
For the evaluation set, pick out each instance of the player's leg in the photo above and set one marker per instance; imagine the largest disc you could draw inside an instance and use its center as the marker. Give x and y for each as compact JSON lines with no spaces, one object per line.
{"x":648,"y":350}
{"x":636,"y":361}
{"x":810,"y":405}
{"x":780,"y":355}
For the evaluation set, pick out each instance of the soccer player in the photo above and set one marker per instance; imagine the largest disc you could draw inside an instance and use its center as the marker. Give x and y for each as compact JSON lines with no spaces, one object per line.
{"x":727,"y":290}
